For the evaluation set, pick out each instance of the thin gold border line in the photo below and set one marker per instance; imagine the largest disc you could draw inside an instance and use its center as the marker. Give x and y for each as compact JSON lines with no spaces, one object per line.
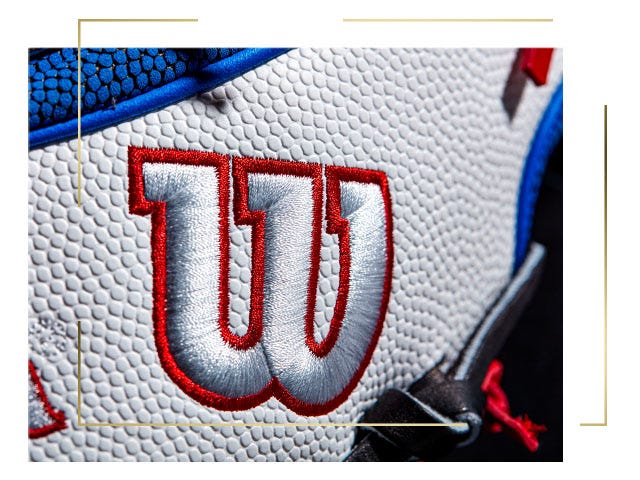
{"x":227,"y":424}
{"x":103,"y":20}
{"x":605,"y":266}
{"x":266,"y":424}
{"x":235,"y":424}
{"x":447,"y":20}
{"x":604,"y":423}
{"x":79,"y":374}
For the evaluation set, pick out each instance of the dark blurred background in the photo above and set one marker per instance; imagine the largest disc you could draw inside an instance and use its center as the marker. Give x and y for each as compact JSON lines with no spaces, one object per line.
{"x":532,"y":356}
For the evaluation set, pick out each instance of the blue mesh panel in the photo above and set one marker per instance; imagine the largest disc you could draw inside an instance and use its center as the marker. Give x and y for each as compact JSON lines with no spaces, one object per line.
{"x":109,"y":75}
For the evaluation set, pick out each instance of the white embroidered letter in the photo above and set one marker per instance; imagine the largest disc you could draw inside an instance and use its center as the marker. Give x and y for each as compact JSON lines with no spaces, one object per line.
{"x":187,"y":194}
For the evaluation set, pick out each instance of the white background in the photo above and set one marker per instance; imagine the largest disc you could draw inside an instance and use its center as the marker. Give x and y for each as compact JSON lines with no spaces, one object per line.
{"x":600,"y":67}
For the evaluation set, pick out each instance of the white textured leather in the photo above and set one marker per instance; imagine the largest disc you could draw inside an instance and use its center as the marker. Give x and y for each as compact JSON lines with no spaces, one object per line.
{"x":432,"y":120}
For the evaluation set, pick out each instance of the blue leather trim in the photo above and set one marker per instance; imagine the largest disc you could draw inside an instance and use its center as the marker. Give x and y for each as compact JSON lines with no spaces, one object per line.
{"x":546,"y":138}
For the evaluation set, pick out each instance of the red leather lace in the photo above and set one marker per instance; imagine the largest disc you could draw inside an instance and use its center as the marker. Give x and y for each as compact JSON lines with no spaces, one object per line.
{"x":499,"y":413}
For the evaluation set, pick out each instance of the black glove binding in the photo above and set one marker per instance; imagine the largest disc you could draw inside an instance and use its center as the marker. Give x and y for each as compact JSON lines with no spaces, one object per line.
{"x":445,"y":398}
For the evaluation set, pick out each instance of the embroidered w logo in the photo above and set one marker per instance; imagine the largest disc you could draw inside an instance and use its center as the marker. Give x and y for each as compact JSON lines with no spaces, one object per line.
{"x":187,"y":195}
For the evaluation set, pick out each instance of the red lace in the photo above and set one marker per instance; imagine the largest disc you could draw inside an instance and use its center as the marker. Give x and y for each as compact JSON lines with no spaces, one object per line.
{"x":499,"y":414}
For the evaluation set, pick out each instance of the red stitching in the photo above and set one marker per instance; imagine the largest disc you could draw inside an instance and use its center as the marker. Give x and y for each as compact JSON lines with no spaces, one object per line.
{"x":243,"y":216}
{"x":336,"y":224}
{"x":241,"y":168}
{"x":139,"y":205}
{"x":59,"y":420}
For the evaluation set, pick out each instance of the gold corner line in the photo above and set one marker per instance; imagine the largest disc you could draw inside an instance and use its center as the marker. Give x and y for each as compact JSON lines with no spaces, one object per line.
{"x":234,"y":424}
{"x":447,"y":20}
{"x":269,"y":424}
{"x":79,"y":373}
{"x":106,"y":20}
{"x":604,"y":423}
{"x":103,"y":20}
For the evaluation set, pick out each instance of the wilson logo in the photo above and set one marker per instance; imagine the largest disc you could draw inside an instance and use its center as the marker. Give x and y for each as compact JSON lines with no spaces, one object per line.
{"x":187,"y":195}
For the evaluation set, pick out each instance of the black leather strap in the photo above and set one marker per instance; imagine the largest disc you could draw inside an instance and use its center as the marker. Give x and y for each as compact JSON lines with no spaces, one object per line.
{"x":397,"y":408}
